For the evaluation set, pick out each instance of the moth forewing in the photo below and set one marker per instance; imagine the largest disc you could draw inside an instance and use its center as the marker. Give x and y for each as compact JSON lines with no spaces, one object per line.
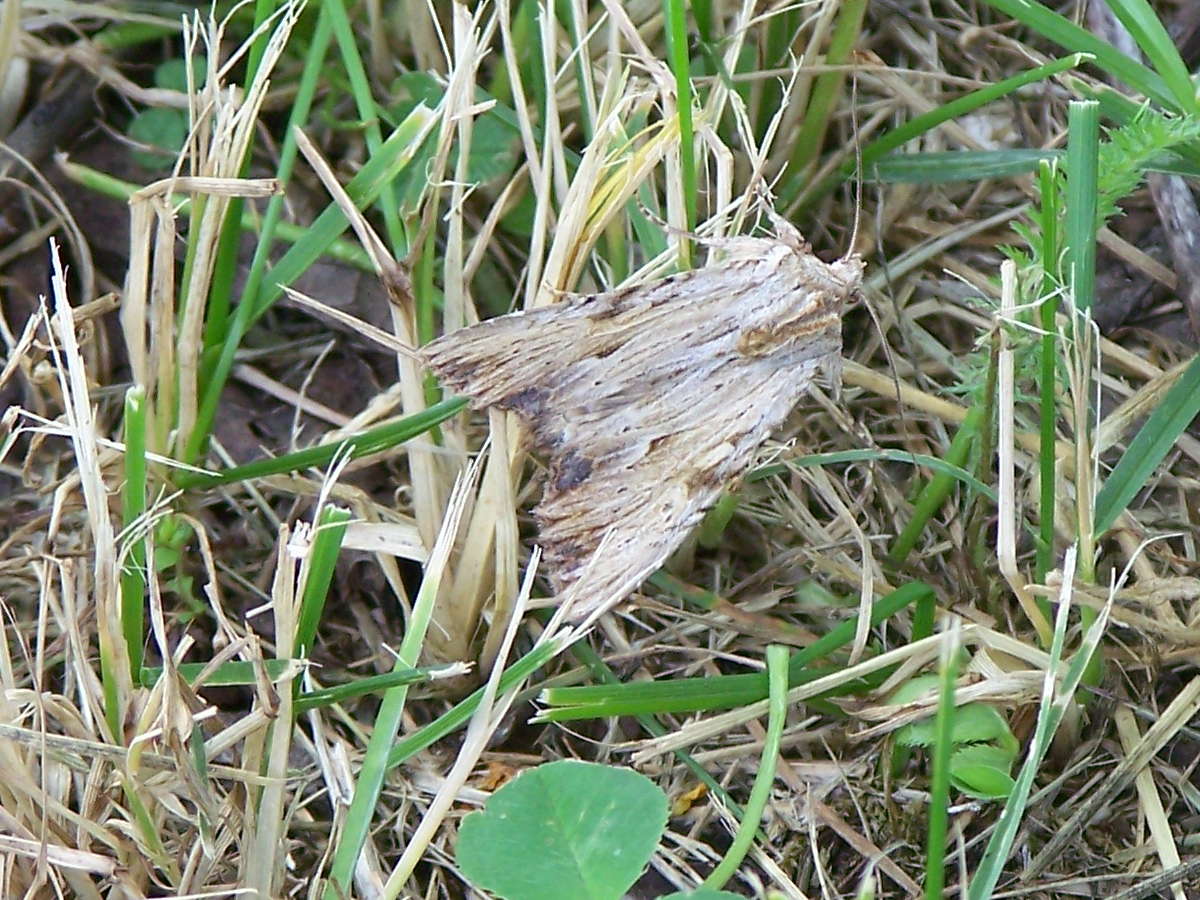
{"x":648,"y":401}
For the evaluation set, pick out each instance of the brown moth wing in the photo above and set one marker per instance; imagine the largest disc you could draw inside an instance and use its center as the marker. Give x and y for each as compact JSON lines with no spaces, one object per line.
{"x":647,"y":401}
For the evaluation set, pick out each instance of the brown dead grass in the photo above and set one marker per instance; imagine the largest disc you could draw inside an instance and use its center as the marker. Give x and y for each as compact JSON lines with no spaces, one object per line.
{"x":85,"y":812}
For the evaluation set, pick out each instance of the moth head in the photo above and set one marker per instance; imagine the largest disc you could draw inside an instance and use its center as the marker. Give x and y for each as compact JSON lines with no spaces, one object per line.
{"x":840,"y":281}
{"x":848,"y":272}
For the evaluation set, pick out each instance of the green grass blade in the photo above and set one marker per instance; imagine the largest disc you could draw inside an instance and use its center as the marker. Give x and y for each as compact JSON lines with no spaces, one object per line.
{"x":381,"y":437}
{"x":1147,"y":30}
{"x":360,"y":89}
{"x":225,"y":266}
{"x":898,"y":137}
{"x":957,"y":165}
{"x":225,"y":675}
{"x":124,"y":35}
{"x":935,"y":492}
{"x":374,"y":684}
{"x":386,"y":726}
{"x":379,"y":171}
{"x":578,"y":31}
{"x":1048,"y":374}
{"x":1169,"y":164}
{"x":327,"y":543}
{"x":1083,"y":160}
{"x":675,"y":14}
{"x":977,"y":165}
{"x":1055,"y":700}
{"x":1082,"y":224}
{"x":1149,"y":447}
{"x":939,"y":787}
{"x":133,"y":507}
{"x":827,"y":89}
{"x":271,"y":224}
{"x":714,"y":692}
{"x":458,"y":715}
{"x":775,"y":52}
{"x":967,"y":103}
{"x":777,"y":680}
{"x":1070,"y":36}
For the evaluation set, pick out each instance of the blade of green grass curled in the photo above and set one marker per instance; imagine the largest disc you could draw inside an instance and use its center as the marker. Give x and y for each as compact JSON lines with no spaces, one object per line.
{"x":777,"y":681}
{"x":937,"y":464}
{"x":1149,"y":446}
{"x":133,"y":507}
{"x":713,"y":692}
{"x":896,"y":138}
{"x":1048,"y":369}
{"x":381,"y":437}
{"x":1070,"y":36}
{"x":957,"y":165}
{"x":1147,"y":30}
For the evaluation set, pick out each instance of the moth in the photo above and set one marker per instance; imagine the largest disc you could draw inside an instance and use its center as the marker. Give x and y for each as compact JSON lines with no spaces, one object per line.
{"x":646,"y":402}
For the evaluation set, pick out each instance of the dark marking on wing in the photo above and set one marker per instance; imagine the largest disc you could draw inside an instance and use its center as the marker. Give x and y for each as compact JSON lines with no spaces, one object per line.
{"x":571,"y":470}
{"x":528,"y":403}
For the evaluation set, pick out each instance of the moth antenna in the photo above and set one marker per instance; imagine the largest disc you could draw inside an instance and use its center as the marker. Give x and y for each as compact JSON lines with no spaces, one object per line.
{"x":384,"y":339}
{"x":673,"y":229}
{"x":858,"y":161}
{"x":893,"y":369}
{"x":858,"y":194}
{"x":784,"y":230}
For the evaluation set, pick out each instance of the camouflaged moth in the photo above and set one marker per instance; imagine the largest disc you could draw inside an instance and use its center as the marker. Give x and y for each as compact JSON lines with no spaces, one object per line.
{"x":647,"y":401}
